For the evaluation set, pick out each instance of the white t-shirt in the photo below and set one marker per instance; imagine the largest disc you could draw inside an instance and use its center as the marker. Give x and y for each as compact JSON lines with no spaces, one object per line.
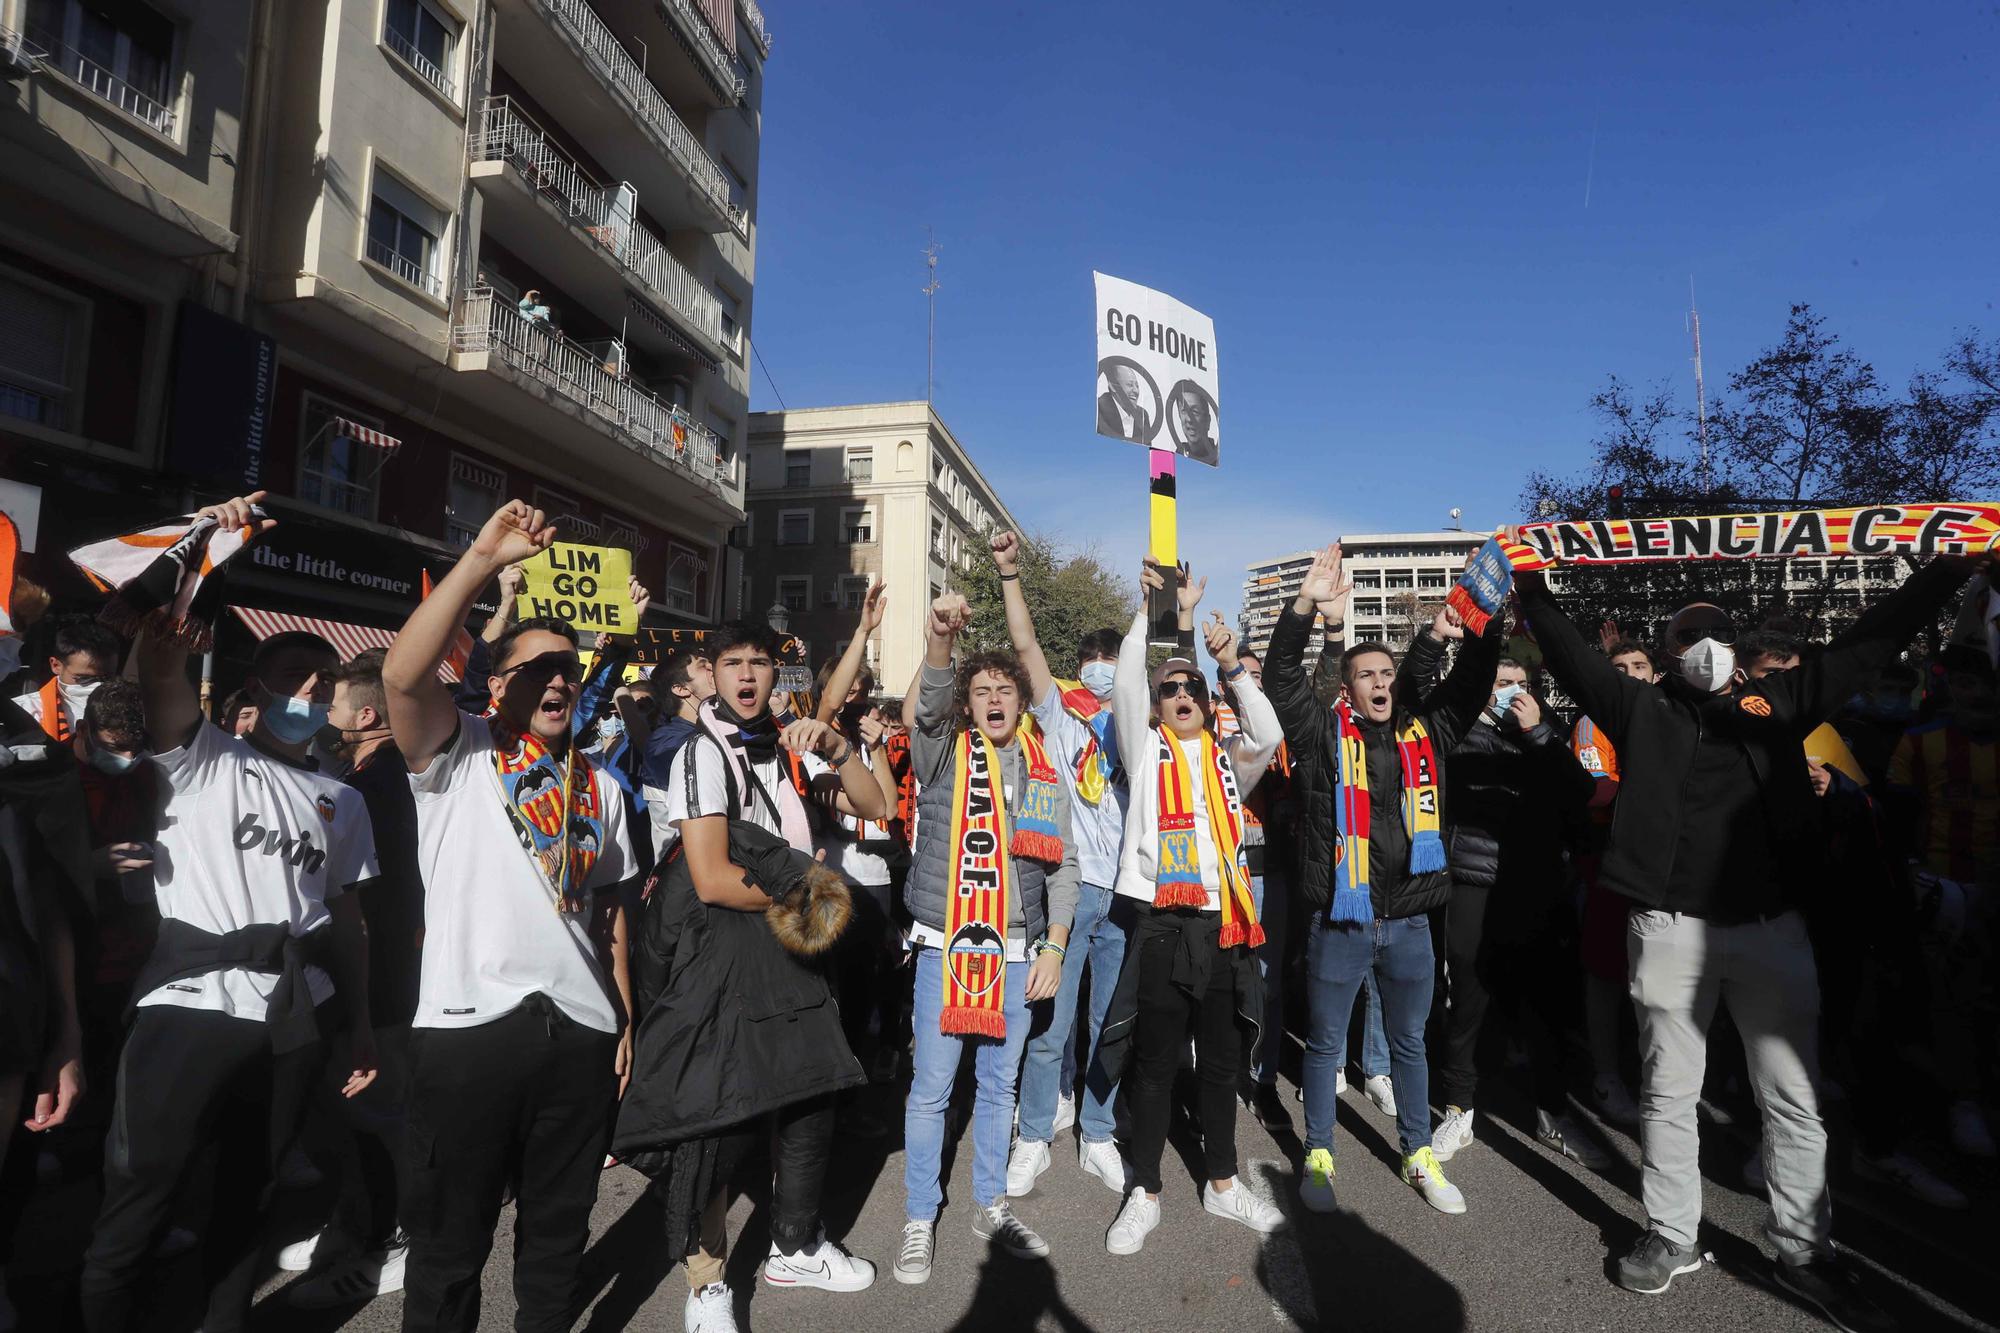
{"x":1204,"y":836}
{"x":246,"y":839}
{"x":857,"y":848}
{"x":492,"y":934}
{"x":699,"y":786}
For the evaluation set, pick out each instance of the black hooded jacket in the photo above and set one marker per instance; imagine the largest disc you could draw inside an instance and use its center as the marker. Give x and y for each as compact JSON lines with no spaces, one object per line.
{"x":1314,"y":738}
{"x":1715,"y":814}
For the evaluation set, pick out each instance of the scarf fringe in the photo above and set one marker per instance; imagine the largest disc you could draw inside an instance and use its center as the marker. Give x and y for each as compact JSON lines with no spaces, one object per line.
{"x":1234,"y":934}
{"x":1036,"y":845}
{"x":1426,"y":853}
{"x":963,"y":1022}
{"x":1171,"y":893}
{"x":1352,"y":907}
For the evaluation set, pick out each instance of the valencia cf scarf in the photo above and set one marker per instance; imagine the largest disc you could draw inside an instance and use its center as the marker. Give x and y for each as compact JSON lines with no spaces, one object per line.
{"x":163,"y":577}
{"x":552,"y":804}
{"x":1097,"y":767}
{"x":1352,"y":902}
{"x":1178,"y":861}
{"x":976,"y":904}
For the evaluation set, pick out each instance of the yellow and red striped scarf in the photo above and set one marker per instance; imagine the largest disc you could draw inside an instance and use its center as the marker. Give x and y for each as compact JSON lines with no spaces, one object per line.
{"x":1177,"y":881}
{"x":553,"y":806}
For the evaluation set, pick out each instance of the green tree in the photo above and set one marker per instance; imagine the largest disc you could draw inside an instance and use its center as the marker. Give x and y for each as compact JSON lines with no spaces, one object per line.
{"x":1070,"y":593}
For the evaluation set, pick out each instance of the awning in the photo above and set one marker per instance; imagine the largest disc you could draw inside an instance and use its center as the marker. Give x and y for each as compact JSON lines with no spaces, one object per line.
{"x":347,"y":640}
{"x":360,"y":434}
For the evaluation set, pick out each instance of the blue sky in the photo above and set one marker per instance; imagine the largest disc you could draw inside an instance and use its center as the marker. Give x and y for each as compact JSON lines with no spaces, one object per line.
{"x":1425,"y":239}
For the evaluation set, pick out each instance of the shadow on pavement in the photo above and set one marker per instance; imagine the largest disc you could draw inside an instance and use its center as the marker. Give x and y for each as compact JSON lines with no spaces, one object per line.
{"x":1014,"y":1294}
{"x":1372,"y":1283}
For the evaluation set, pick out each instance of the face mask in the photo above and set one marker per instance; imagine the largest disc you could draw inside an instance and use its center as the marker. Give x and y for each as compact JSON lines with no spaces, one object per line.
{"x":1708,"y":666}
{"x":1097,"y":677}
{"x":74,"y":697}
{"x":292,"y":721}
{"x":610,"y":729}
{"x":116,"y":765}
{"x":1502,"y":698}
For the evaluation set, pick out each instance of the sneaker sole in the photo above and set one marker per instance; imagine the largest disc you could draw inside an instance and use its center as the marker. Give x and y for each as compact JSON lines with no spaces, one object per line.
{"x":910,"y":1279}
{"x":1229,"y":1215}
{"x":1113,"y":1247}
{"x":824,"y":1284}
{"x":1655,"y":1291}
{"x":1018,"y":1252}
{"x":1825,"y":1311}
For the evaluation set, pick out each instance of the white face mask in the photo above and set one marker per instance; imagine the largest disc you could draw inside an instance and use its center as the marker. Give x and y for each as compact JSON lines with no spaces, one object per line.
{"x":1708,"y":666}
{"x":74,"y":697}
{"x":1097,"y":677}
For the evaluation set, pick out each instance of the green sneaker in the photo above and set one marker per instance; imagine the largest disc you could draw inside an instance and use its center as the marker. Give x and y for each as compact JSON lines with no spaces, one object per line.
{"x":1423,"y":1174}
{"x":1316,"y":1181}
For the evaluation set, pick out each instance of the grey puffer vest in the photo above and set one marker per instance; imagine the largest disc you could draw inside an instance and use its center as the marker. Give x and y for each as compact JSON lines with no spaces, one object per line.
{"x":929,"y":881}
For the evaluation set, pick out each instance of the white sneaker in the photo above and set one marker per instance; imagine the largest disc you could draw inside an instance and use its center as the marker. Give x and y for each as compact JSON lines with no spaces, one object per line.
{"x":1422,"y":1174}
{"x":1610,"y":1100}
{"x":1024,"y":1166}
{"x":1103,"y":1161}
{"x":913,"y":1261}
{"x":1381,"y":1090}
{"x":1970,"y":1133}
{"x":1912,"y":1177}
{"x":1135,"y":1220}
{"x":1240,"y":1205}
{"x":1561,"y":1135}
{"x":1065,"y":1113}
{"x":361,"y":1278}
{"x":711,"y":1310}
{"x":822,"y":1264}
{"x":1454,"y":1134}
{"x":1316,"y":1181}
{"x":1339,"y":1083}
{"x":298,"y":1256}
{"x":998,"y":1225}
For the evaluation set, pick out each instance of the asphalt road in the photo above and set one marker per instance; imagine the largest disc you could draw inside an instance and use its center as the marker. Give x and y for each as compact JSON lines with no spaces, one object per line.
{"x":1531,"y":1252}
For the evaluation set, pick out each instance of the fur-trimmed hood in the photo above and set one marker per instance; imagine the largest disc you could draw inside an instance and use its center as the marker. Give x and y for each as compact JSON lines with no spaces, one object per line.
{"x":809,"y":919}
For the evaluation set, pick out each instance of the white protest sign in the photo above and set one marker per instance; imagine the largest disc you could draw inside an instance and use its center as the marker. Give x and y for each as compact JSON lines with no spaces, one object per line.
{"x":1156,"y":376}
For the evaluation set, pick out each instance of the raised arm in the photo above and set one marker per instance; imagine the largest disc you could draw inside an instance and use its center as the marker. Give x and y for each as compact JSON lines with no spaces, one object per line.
{"x":1020,"y":621}
{"x":1417,"y":675}
{"x":1455,"y":705}
{"x":511,"y":579}
{"x":1258,"y":732}
{"x":930,"y":737}
{"x":860,"y":793}
{"x":422,"y":716}
{"x":607,"y":672}
{"x":848,"y":669}
{"x":1324,"y":589}
{"x":1585,"y":674}
{"x":173,"y":708}
{"x":1131,"y":690}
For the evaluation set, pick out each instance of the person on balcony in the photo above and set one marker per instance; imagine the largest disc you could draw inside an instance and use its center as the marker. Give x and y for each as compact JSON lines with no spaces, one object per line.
{"x":533,"y":310}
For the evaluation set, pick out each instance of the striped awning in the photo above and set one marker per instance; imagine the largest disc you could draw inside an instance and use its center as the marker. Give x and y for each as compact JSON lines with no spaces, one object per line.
{"x":347,"y":640}
{"x":374,"y":439}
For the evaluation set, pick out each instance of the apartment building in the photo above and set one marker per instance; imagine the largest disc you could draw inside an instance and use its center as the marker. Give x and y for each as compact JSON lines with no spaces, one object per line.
{"x":843,"y":497}
{"x":1395,"y":574}
{"x":393,"y":261}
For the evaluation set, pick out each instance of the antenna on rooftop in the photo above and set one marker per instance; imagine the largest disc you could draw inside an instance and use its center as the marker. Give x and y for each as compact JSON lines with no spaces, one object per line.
{"x":930,"y":253}
{"x":1700,"y":393}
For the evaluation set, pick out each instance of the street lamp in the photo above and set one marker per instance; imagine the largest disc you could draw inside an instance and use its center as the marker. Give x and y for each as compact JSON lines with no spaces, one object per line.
{"x":779,"y":617}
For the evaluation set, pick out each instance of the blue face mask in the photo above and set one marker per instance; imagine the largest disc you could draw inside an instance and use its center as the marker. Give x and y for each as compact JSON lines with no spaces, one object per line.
{"x":117,"y":765}
{"x":1502,"y":698}
{"x":292,"y":720}
{"x":1097,"y":677}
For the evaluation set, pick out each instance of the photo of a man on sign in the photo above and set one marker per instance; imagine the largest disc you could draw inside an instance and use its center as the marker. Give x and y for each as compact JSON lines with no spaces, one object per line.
{"x":1147,"y":340}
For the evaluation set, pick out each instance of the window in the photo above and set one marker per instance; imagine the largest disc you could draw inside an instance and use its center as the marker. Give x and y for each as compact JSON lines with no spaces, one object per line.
{"x":732,"y":320}
{"x":472,"y":495}
{"x":120,"y":53}
{"x":564,"y":512}
{"x":624,"y":534}
{"x":739,"y":187}
{"x":424,"y":37}
{"x":906,"y":457}
{"x":795,"y":527}
{"x":860,"y":465}
{"x":937,"y":538}
{"x":1368,"y":580}
{"x":1368,"y":608}
{"x":799,"y":471}
{"x":795,"y":592}
{"x":853,"y":591}
{"x":857,"y":526}
{"x":684,"y":569}
{"x":336,"y":469}
{"x":1432,"y":581}
{"x":1882,"y":569}
{"x":1844,"y":569}
{"x":41,"y":352}
{"x":1396,"y":581}
{"x":405,"y":234}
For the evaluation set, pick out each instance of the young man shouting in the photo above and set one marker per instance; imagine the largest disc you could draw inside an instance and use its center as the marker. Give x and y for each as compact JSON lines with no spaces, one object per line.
{"x":520,"y":1042}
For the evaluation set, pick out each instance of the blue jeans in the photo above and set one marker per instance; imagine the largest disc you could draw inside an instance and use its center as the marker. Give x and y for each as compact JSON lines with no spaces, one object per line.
{"x":1374,"y":1041}
{"x":1096,"y":942}
{"x":935,"y":1059}
{"x":1398,"y":955}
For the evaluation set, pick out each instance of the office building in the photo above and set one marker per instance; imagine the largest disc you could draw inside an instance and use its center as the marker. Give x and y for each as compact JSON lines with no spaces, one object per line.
{"x":843,"y":497}
{"x":1396,"y":575}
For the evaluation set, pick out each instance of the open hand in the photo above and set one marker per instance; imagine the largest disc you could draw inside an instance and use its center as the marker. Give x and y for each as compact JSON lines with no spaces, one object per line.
{"x":1325,"y":586}
{"x":873,"y":607}
{"x":1188,"y":590}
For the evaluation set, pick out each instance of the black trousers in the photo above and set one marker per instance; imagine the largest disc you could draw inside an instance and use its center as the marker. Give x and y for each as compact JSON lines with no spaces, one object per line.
{"x":188,"y":1075}
{"x":1514,"y":948}
{"x":527,"y":1096}
{"x":1166,"y":1009}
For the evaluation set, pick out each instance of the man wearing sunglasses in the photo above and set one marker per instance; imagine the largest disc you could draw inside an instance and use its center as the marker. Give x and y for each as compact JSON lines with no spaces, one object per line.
{"x":520,"y":1044}
{"x":1717,"y":843}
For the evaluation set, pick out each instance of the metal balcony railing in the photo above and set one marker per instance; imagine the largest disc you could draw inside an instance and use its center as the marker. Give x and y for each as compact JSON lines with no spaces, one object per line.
{"x":753,"y":19}
{"x":504,"y":134}
{"x":615,"y":65}
{"x":693,"y":26}
{"x":405,"y":268}
{"x":419,"y":62}
{"x":658,"y":429}
{"x":102,"y":84}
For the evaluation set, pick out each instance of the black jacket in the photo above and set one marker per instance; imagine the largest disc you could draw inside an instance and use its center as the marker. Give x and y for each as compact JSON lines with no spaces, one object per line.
{"x":1512,"y":795}
{"x":1715,"y":813}
{"x":735,"y":1024}
{"x":1313,"y":737}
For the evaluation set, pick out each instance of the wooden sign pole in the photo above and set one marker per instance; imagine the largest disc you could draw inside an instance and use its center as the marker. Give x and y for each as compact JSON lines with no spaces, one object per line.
{"x":1163,"y":613}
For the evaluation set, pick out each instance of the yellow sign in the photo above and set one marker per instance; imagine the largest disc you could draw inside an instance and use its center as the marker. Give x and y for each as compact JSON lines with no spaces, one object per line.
{"x":1826,"y":748}
{"x":588,"y":586}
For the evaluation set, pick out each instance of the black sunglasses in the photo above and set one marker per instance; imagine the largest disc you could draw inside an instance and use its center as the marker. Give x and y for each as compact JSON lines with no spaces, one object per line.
{"x":1193,"y":687}
{"x":547,"y":667}
{"x":1689,"y":635}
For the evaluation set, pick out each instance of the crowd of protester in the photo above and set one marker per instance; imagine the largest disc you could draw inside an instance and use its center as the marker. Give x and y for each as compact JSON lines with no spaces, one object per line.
{"x":428,"y":949}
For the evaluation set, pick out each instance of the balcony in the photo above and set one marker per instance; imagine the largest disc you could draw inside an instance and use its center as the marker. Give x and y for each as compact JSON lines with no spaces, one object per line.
{"x":571,"y":393}
{"x":593,"y":85}
{"x":49,"y":52}
{"x":683,"y":50}
{"x":753,"y":23}
{"x":585,"y":237}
